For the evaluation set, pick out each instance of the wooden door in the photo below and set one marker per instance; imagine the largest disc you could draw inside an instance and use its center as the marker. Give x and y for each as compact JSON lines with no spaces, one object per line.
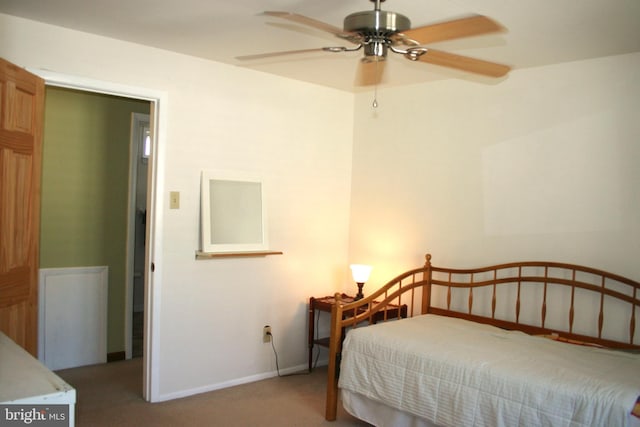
{"x":21,"y":123}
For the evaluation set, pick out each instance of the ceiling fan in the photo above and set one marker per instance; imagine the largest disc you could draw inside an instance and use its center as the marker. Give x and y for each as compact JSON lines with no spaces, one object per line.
{"x":379,"y":31}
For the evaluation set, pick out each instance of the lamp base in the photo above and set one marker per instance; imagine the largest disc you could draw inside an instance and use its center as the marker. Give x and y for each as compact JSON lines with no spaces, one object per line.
{"x":359,"y":295}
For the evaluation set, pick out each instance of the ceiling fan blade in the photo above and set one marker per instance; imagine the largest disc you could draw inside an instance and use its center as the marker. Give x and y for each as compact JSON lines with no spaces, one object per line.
{"x":370,"y":72}
{"x":282,"y":53}
{"x":464,"y":27}
{"x":464,"y":63}
{"x":305,"y":20}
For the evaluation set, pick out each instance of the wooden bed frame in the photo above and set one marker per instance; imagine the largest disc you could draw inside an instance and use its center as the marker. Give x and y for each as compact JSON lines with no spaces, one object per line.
{"x":414,"y":288}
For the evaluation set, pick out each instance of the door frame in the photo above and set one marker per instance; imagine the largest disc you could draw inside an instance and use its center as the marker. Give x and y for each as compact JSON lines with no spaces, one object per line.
{"x":134,"y":155}
{"x":153,"y":256}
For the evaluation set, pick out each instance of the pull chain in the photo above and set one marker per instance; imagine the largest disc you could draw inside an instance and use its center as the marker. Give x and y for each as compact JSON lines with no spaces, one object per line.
{"x":375,"y":88}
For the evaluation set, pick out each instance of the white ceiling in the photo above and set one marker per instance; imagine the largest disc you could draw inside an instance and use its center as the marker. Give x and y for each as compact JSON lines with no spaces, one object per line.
{"x":540,"y":32}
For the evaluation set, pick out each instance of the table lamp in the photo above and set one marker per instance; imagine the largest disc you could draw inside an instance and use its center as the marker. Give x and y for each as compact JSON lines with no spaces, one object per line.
{"x":360,"y":273}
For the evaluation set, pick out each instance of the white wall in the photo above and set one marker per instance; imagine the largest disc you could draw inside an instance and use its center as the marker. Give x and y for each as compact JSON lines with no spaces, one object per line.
{"x":297,"y":135}
{"x":541,"y":166}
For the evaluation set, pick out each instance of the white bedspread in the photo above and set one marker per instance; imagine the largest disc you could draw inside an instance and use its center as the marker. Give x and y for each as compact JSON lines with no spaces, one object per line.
{"x":458,"y":373}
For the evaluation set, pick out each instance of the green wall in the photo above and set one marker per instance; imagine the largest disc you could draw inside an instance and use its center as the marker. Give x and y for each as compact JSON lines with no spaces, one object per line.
{"x":85,"y":185}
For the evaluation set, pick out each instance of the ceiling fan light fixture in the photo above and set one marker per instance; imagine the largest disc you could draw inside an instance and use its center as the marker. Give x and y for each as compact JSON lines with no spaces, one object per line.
{"x":375,"y":50}
{"x":376,"y":27}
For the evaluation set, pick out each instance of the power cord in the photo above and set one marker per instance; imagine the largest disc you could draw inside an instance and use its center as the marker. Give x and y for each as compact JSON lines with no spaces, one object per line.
{"x":276,"y":356}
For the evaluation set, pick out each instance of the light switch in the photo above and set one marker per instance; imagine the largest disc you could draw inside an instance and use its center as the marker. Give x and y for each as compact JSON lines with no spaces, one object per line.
{"x":174,"y":200}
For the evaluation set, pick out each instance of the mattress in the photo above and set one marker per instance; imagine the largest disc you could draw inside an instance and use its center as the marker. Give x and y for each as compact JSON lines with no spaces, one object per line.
{"x":453,"y":372}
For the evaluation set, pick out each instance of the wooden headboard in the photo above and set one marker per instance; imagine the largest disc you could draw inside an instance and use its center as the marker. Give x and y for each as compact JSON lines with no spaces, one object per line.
{"x":537,"y":297}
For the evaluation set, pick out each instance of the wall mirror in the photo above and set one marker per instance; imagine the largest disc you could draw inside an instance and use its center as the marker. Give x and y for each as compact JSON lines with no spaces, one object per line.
{"x":233,"y":213}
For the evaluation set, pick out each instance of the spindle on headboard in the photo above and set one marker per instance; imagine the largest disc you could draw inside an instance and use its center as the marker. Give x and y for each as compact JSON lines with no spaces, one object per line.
{"x":544,"y":296}
{"x":573,"y":294}
{"x":449,"y":293}
{"x":471,"y":294}
{"x":632,"y":326}
{"x":493,"y":297}
{"x":518,"y":294}
{"x":413,"y":296}
{"x":601,"y":315}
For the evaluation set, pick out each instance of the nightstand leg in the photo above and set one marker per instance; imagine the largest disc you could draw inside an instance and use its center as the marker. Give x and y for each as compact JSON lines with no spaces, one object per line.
{"x":311,"y":330}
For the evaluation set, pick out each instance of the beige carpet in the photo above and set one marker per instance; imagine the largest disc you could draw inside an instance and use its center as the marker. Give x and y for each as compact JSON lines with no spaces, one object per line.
{"x":110,"y":395}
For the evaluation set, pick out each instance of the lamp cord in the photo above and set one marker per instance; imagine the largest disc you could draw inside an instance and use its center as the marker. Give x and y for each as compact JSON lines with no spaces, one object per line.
{"x":277,"y":365}
{"x":315,"y":362}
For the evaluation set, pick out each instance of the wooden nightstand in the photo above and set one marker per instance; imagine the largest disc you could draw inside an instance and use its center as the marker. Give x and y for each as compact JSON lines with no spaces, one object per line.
{"x":325,"y":303}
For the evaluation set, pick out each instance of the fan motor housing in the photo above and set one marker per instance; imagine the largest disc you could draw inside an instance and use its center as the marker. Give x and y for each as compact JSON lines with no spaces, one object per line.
{"x":376,"y":23}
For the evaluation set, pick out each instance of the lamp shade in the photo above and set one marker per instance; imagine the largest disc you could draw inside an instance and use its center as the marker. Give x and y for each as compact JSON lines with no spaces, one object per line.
{"x":360,"y":272}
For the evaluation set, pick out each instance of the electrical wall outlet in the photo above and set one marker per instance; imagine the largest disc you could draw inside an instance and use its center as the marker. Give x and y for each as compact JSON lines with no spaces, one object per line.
{"x":266,"y":334}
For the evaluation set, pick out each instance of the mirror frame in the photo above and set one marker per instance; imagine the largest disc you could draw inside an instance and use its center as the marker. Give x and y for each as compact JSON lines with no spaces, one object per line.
{"x":207,"y":226}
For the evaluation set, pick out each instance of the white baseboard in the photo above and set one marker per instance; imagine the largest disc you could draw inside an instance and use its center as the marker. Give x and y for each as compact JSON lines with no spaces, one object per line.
{"x":231,"y":383}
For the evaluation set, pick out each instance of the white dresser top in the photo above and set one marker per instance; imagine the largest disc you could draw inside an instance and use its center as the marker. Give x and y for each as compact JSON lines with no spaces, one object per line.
{"x":23,"y":378}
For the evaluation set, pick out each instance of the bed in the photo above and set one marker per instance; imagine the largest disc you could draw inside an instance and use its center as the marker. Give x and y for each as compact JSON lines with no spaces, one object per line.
{"x":524,"y":343}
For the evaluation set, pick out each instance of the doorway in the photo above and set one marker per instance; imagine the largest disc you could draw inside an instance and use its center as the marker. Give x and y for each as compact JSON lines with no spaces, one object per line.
{"x":85,"y":221}
{"x":158,"y":118}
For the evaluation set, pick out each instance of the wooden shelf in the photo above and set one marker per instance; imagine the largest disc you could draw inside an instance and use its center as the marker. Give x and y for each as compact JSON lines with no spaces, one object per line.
{"x":322,"y":341}
{"x":214,"y":255}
